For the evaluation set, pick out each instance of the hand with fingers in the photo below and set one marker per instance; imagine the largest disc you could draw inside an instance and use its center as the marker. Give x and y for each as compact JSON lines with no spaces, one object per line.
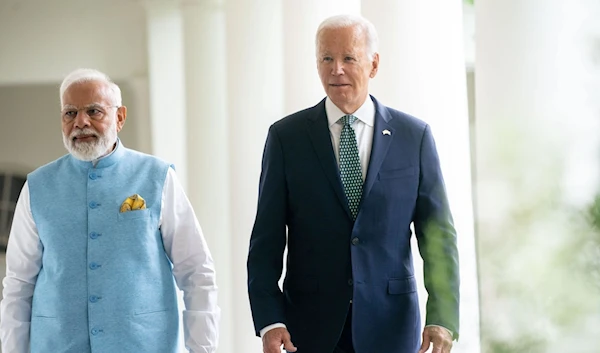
{"x":273,"y":339}
{"x":439,"y":337}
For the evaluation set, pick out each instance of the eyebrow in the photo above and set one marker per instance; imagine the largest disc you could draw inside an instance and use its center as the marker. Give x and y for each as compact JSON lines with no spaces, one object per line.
{"x":343,"y":54}
{"x":92,"y":105}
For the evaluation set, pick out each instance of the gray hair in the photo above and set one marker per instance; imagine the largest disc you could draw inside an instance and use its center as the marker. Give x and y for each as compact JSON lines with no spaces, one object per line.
{"x":87,"y":75}
{"x":345,"y":21}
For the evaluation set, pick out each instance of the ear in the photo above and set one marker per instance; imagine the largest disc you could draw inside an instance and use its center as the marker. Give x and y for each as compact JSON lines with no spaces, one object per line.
{"x":121,"y":117}
{"x":375,"y":65}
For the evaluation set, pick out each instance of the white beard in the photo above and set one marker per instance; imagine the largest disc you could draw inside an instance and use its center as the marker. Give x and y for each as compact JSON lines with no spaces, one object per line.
{"x":89,"y":151}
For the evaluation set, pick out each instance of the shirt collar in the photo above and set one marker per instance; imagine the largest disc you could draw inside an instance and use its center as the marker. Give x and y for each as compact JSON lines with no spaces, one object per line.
{"x":366,"y":112}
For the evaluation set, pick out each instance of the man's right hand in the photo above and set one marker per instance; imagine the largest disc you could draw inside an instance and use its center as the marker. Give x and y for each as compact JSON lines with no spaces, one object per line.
{"x":273,"y":339}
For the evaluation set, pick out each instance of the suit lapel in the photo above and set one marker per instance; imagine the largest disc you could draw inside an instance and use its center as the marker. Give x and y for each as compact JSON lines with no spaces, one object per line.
{"x":381,"y":144}
{"x":318,"y":130}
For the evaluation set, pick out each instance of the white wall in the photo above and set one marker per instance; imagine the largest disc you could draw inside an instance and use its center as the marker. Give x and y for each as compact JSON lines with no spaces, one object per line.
{"x":30,"y":130}
{"x":41,"y":41}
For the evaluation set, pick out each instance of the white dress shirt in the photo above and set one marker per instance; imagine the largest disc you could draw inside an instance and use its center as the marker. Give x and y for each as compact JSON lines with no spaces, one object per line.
{"x":184,"y":244}
{"x":363,"y":129}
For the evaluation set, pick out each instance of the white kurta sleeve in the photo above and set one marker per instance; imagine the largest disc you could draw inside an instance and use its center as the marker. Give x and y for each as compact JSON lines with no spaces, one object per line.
{"x":193,"y":267}
{"x":23,"y":263}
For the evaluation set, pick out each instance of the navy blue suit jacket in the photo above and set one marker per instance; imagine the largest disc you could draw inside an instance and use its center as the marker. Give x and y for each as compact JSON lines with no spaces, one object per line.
{"x":331,"y":258}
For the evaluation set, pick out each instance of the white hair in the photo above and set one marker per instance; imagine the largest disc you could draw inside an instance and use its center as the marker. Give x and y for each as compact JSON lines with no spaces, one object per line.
{"x":86,"y":75}
{"x":345,"y":21}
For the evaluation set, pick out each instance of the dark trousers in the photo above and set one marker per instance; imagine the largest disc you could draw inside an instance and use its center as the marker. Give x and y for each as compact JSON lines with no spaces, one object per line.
{"x":345,"y":343}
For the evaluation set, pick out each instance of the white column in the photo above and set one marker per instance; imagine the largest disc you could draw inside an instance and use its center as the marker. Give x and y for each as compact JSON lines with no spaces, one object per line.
{"x":139,"y":108}
{"x":166,"y":83}
{"x":422,"y":72}
{"x":255,"y":100}
{"x":166,"y":86}
{"x":208,"y":145}
{"x":537,"y":81}
{"x":301,"y":19}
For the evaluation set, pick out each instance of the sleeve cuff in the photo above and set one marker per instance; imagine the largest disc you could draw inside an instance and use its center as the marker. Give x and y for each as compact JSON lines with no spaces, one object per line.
{"x":270,"y":327}
{"x":201,"y":332}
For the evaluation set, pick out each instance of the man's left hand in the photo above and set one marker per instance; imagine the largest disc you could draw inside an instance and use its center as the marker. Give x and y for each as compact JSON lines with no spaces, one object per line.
{"x":439,"y":336}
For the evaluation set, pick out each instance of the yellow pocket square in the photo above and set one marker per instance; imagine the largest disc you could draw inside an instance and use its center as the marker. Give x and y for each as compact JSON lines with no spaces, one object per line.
{"x":132,"y":203}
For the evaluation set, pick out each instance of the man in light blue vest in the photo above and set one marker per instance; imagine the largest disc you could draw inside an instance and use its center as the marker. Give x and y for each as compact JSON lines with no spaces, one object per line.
{"x":99,"y":238}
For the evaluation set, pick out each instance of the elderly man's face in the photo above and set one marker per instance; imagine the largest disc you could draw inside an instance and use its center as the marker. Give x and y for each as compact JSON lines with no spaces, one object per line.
{"x":90,"y":120}
{"x":344,"y":67}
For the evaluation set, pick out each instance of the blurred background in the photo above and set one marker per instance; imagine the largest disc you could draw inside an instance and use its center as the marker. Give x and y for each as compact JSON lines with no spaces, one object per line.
{"x":511,"y":89}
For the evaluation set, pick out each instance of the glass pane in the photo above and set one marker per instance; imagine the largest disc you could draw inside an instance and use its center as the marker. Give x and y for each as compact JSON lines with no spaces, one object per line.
{"x":4,"y":230}
{"x":9,"y":218}
{"x":1,"y":185}
{"x":15,"y":187}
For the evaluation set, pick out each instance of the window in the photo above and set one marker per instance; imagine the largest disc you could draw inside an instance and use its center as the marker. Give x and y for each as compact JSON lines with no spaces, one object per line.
{"x":10,"y":188}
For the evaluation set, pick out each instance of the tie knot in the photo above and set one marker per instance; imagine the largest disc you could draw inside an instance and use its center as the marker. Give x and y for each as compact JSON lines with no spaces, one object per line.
{"x":348,"y":119}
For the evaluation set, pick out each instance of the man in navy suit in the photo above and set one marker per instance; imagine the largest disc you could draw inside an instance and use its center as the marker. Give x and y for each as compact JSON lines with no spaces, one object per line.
{"x":347,"y":178}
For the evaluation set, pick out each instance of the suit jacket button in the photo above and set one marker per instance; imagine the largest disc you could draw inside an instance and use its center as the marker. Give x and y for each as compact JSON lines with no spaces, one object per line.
{"x":355,"y":241}
{"x":350,"y":282}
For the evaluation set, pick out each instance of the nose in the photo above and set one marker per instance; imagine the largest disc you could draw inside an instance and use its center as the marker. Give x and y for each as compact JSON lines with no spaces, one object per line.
{"x":338,"y":68}
{"x":82,"y":120}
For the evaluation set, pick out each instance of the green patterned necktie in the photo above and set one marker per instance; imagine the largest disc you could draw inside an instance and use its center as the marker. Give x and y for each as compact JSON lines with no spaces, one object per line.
{"x":350,"y":171}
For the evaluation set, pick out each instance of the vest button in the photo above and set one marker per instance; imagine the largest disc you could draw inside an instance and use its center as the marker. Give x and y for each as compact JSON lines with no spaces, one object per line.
{"x":94,"y":235}
{"x":93,"y":204}
{"x":94,"y":299}
{"x":94,"y":266}
{"x":93,"y":176}
{"x":95,"y":331}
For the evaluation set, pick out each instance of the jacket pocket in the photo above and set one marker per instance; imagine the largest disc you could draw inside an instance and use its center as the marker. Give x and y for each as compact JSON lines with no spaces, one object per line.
{"x":402,"y":285}
{"x":396,"y":173}
{"x":135,"y":214}
{"x":151,"y":310}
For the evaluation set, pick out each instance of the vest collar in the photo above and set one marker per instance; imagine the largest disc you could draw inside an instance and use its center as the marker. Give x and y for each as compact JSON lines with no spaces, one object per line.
{"x":105,"y":161}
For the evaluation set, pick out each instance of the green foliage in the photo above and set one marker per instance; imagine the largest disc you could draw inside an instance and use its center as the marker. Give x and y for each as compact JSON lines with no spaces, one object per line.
{"x":524,"y":344}
{"x":538,"y":250}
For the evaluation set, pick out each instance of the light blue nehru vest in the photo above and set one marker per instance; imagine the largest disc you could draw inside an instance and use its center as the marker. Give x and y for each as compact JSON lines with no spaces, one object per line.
{"x":106,"y":284}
